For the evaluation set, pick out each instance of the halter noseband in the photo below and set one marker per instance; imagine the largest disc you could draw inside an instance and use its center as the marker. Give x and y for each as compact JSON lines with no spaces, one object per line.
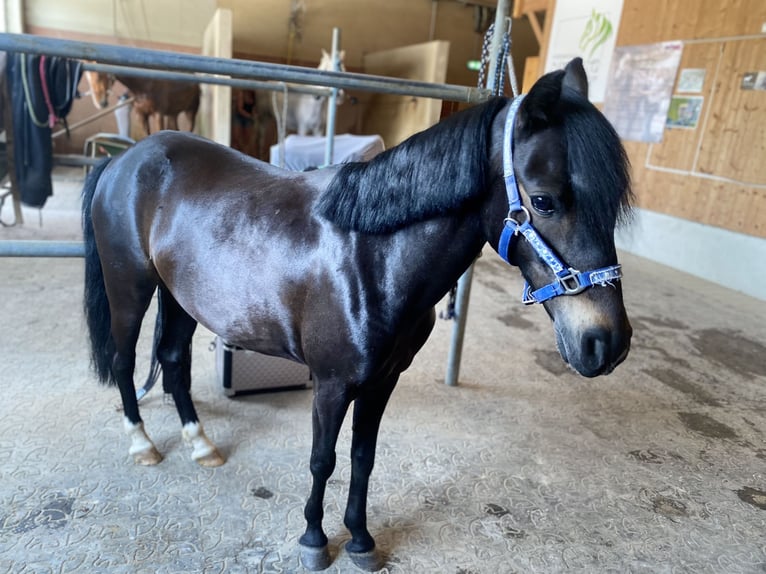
{"x":568,"y":281}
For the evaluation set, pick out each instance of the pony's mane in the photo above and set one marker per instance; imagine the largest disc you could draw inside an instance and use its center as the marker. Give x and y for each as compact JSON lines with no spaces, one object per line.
{"x":432,"y":173}
{"x":599,"y":170}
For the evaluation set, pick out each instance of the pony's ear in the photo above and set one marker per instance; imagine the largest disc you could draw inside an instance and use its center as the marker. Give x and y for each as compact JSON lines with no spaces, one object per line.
{"x":342,"y":55}
{"x":575,"y":77}
{"x":325,"y":54}
{"x":539,"y":106}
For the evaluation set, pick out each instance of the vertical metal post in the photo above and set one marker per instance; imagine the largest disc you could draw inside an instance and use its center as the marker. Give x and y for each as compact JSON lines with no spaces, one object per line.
{"x":332,"y":103}
{"x":464,"y":284}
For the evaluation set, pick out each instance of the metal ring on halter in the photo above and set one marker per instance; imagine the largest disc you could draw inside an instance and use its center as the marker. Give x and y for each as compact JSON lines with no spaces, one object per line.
{"x":511,"y":219}
{"x":571,"y":283}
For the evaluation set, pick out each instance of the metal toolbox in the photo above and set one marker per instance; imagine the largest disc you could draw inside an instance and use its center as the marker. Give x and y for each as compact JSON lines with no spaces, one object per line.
{"x":241,"y":371}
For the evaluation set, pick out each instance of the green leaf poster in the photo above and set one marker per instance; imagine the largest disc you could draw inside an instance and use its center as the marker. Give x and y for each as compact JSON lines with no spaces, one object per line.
{"x":585,"y":28}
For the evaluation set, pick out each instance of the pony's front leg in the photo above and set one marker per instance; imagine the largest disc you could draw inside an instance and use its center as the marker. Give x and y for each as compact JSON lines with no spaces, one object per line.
{"x":368,"y":412}
{"x":328,"y":411}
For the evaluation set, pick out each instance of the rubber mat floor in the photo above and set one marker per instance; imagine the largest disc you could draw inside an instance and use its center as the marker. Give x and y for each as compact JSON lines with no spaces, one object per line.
{"x":524,"y":467}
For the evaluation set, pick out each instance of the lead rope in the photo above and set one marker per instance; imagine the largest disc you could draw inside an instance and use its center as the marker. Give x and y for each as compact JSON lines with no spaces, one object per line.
{"x":509,"y":60}
{"x":505,"y":50}
{"x":499,"y":88}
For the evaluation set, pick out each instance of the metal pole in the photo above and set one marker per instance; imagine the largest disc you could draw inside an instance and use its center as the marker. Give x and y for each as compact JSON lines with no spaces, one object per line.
{"x":203,"y":79}
{"x":332,"y":102}
{"x":145,"y":58}
{"x":464,"y":283}
{"x":92,"y":118}
{"x":42,"y":249}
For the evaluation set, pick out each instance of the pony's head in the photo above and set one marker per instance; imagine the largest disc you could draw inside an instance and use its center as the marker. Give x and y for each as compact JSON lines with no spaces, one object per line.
{"x":100,"y":85}
{"x":574,"y":185}
{"x":326,"y":62}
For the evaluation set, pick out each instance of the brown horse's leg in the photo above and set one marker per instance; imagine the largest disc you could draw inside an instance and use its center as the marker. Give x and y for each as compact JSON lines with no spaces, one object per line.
{"x":128,"y":307}
{"x":329,"y":409}
{"x":174,"y":354}
{"x":170,"y":122}
{"x":368,"y":412}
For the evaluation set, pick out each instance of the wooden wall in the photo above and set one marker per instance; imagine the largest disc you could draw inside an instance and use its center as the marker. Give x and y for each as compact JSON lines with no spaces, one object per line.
{"x":714,"y":174}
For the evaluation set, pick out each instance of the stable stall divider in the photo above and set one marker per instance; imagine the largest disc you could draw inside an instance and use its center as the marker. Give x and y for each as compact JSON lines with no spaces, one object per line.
{"x":158,"y":59}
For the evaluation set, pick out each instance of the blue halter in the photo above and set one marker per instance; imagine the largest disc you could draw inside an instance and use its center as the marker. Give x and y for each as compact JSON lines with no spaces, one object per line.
{"x":568,"y":281}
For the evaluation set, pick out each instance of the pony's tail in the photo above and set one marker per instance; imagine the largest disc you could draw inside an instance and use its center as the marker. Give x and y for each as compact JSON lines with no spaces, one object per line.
{"x":154,"y":367}
{"x":95,"y":302}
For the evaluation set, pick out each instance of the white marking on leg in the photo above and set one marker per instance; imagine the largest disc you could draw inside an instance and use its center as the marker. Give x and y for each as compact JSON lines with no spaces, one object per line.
{"x":203,"y":449}
{"x":141,"y":446}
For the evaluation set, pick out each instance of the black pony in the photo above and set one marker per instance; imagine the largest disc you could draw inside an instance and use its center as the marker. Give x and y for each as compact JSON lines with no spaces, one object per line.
{"x":340,"y":268}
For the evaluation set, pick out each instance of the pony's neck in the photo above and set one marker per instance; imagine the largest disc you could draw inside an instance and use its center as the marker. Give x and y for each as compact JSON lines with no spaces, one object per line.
{"x":446,"y":247}
{"x":433,"y":174}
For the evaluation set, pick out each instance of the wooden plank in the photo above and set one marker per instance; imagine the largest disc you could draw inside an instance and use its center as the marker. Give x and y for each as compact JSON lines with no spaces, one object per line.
{"x":395,"y":118}
{"x":535,"y":23}
{"x":649,"y":21}
{"x":546,"y":34}
{"x":729,"y":143}
{"x":522,"y":7}
{"x":215,"y":106}
{"x":734,"y":142}
{"x":679,"y":146}
{"x":531,"y":73}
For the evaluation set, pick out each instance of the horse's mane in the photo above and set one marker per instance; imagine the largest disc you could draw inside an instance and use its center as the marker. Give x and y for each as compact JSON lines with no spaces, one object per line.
{"x":438,"y":170}
{"x":599,"y":170}
{"x":431,"y":173}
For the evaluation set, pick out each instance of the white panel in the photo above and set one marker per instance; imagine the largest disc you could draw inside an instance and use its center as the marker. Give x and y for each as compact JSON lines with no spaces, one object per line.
{"x":730,"y":259}
{"x":215,"y":108}
{"x":181,"y":22}
{"x":89,"y":16}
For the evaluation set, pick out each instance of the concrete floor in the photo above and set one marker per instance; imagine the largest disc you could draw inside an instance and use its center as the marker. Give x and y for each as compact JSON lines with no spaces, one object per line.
{"x":524,"y":467}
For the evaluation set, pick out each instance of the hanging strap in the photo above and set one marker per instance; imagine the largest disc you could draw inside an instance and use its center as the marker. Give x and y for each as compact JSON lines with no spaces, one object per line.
{"x":28,"y":95}
{"x":46,"y":92}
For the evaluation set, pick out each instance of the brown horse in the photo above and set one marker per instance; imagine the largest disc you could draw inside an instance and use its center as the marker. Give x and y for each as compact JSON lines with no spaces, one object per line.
{"x":340,"y":268}
{"x":152,"y":97}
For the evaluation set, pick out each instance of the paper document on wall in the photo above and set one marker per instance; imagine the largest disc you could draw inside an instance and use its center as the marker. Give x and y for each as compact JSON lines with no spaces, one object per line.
{"x":640,"y":86}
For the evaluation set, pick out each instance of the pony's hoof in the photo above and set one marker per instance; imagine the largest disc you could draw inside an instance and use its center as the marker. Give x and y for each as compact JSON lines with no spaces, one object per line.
{"x":315,"y":558}
{"x":370,"y":561}
{"x":211,"y":459}
{"x":148,"y":457}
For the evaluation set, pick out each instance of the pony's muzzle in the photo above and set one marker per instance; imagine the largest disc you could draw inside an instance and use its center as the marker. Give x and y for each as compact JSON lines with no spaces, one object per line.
{"x":598,"y":350}
{"x":601,"y":350}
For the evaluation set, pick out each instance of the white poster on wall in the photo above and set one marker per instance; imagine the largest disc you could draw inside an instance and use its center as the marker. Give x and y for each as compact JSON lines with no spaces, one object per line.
{"x":585,"y":28}
{"x":640,"y":85}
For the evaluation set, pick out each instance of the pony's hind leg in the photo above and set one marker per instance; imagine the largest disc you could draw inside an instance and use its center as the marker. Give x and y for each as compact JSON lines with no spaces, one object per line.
{"x":126,"y":325}
{"x":174,"y":354}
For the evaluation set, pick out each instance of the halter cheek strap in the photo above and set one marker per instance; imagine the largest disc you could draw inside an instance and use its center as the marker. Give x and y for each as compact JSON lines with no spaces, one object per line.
{"x":568,"y":281}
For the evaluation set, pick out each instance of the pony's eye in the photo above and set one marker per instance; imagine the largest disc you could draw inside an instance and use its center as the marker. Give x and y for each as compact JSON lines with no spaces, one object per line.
{"x":542,"y":204}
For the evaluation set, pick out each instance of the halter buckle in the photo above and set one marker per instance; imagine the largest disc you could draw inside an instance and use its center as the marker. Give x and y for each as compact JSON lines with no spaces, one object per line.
{"x":571,"y":282}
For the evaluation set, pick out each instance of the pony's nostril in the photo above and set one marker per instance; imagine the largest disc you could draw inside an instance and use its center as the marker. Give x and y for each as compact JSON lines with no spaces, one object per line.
{"x":596,"y":350}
